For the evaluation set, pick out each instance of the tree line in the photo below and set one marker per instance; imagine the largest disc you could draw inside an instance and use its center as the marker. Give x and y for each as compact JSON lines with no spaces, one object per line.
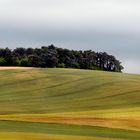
{"x":51,"y":56}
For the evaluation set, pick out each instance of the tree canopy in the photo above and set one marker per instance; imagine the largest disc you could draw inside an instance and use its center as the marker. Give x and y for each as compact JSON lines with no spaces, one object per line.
{"x":51,"y":56}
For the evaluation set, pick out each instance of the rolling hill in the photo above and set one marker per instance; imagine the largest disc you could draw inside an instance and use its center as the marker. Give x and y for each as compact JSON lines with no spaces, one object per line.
{"x":63,"y":104}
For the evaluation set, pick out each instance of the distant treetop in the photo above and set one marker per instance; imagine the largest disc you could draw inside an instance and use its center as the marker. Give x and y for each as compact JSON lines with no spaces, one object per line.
{"x":52,"y":56}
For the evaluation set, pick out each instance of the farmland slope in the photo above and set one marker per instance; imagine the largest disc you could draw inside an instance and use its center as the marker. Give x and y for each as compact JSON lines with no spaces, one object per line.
{"x":59,"y":104}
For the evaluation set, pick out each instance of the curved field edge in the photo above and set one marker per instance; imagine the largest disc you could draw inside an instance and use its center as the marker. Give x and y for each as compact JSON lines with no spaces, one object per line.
{"x":122,"y":123}
{"x":65,"y":129}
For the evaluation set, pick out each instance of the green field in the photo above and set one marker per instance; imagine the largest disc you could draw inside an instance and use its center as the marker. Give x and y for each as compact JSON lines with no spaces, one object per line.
{"x":65,"y":104}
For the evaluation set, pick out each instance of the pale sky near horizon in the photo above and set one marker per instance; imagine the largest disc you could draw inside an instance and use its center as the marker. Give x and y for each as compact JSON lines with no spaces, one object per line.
{"x":101,"y":25}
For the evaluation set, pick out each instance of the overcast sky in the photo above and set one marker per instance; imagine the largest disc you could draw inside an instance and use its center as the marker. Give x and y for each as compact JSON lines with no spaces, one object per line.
{"x":101,"y":25}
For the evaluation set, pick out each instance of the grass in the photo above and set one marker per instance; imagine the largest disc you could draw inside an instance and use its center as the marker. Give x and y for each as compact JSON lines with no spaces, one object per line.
{"x":65,"y":129}
{"x":69,"y":104}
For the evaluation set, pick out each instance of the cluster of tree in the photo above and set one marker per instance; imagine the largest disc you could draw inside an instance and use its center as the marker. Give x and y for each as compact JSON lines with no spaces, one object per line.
{"x":52,"y":56}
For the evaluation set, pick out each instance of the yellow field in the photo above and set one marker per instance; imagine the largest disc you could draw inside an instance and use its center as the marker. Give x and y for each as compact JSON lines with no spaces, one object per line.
{"x":29,"y":136}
